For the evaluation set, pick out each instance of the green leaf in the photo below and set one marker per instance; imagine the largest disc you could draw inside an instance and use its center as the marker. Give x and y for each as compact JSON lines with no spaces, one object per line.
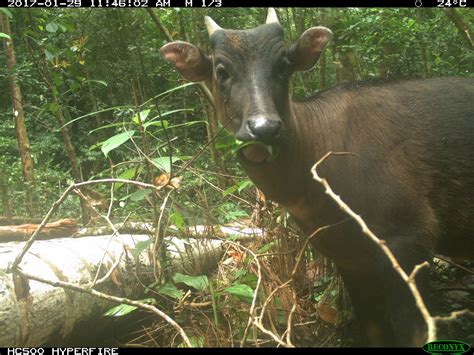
{"x":159,"y":117}
{"x":243,"y":184}
{"x":240,"y":290}
{"x":124,"y":309}
{"x":140,"y":194}
{"x":6,"y":12}
{"x":170,"y":289}
{"x":127,"y":175}
{"x":52,"y":27}
{"x":237,"y":187}
{"x":48,"y":54}
{"x":163,"y":163}
{"x":197,"y":282}
{"x":140,"y":247}
{"x":144,"y":114}
{"x":4,"y":35}
{"x":176,"y":219}
{"x":120,"y":310}
{"x":230,"y":190}
{"x":100,"y":82}
{"x":116,"y":141}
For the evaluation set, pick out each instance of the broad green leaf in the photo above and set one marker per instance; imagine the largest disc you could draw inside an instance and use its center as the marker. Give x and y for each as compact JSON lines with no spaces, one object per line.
{"x":197,"y":282}
{"x":116,"y":141}
{"x":170,"y":289}
{"x":4,"y":35}
{"x":240,"y":290}
{"x":52,"y":27}
{"x":140,"y":194}
{"x":163,"y":163}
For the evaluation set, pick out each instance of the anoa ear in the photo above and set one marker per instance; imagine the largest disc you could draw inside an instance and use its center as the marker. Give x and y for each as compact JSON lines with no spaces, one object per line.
{"x":187,"y":59}
{"x":306,"y":51}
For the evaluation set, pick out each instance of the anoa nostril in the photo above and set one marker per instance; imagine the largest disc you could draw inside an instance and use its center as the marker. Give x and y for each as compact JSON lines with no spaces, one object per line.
{"x":263,"y":129}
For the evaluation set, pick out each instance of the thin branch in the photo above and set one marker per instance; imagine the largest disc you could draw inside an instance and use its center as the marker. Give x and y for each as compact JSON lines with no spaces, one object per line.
{"x":382,"y":245}
{"x":144,"y":306}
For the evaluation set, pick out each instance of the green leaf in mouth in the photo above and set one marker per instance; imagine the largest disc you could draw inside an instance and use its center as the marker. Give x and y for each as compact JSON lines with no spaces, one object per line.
{"x":270,"y":150}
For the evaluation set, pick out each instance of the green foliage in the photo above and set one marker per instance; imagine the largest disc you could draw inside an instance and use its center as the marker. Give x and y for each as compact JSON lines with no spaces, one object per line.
{"x":124,"y":309}
{"x":199,"y":283}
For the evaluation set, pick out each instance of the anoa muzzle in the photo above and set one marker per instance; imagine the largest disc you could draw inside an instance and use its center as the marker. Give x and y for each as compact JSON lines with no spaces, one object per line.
{"x":410,"y":174}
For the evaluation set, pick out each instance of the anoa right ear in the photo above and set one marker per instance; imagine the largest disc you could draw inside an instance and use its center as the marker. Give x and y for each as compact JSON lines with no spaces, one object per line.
{"x":187,"y":59}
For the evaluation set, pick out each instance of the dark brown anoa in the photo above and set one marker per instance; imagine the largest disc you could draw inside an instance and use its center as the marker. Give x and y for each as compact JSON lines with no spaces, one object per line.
{"x":411,"y":178}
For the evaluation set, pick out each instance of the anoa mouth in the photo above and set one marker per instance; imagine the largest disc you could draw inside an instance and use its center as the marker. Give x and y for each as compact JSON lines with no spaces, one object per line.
{"x":256,"y":152}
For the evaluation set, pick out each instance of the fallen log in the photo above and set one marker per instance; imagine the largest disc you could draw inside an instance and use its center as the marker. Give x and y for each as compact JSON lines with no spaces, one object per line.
{"x":32,"y":312}
{"x":59,"y":229}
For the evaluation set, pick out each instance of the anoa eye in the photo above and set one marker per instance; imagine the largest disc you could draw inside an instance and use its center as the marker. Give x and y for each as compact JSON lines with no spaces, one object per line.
{"x":284,"y":68}
{"x":222,"y":73}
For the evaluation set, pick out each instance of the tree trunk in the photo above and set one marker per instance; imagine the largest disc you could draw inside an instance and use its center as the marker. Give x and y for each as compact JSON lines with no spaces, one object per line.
{"x":158,"y":24}
{"x":20,"y":127}
{"x":4,"y":193}
{"x":59,"y":115}
{"x":462,"y":27}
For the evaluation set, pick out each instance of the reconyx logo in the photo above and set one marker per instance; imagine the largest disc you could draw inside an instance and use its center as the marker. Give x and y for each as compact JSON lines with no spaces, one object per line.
{"x":446,"y":347}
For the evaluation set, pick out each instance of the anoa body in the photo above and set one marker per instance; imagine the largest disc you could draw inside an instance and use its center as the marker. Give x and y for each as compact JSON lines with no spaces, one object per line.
{"x":410,"y":174}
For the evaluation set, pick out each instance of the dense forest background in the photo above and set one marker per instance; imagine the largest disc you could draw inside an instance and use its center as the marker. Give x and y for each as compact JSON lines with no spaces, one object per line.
{"x":87,"y":75}
{"x":87,"y":96}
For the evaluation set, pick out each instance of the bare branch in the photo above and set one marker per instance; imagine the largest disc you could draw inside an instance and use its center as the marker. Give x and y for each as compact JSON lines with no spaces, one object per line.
{"x":382,"y":245}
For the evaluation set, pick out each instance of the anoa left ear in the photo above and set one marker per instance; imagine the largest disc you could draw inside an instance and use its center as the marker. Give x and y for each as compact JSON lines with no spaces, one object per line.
{"x":306,"y":51}
{"x":187,"y":59}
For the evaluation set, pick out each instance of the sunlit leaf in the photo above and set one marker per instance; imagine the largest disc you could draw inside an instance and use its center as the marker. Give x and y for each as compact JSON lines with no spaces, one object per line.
{"x":163,"y":163}
{"x":116,"y":141}
{"x":124,"y":309}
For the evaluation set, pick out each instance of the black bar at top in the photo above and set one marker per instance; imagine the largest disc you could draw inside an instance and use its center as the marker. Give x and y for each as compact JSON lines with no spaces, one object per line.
{"x":238,"y":3}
